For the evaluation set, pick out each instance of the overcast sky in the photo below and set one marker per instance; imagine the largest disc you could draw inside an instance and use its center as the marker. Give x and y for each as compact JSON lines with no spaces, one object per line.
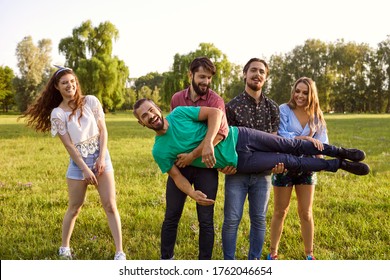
{"x":151,"y":32}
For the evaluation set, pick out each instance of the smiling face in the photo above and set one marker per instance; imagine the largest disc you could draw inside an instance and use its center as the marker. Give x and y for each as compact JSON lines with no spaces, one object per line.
{"x":255,"y":76}
{"x":150,"y":115}
{"x":301,"y":95}
{"x":67,"y":86}
{"x":200,"y":81}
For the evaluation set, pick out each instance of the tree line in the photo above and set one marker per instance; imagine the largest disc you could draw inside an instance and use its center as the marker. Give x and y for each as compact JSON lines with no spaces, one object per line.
{"x":350,"y":77}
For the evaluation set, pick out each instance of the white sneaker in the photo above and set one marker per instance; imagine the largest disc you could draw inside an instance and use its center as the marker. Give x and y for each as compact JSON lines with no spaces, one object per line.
{"x":64,"y":253}
{"x":120,"y":256}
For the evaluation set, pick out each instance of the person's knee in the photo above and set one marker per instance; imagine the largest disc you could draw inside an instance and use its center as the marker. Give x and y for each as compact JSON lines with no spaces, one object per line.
{"x":109,"y":206}
{"x":280,"y":213}
{"x":74,"y":210}
{"x":306,"y":215}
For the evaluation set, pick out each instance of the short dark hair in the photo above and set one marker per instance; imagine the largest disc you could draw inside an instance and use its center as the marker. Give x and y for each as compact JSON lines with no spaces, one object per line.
{"x":246,"y":67}
{"x":138,"y":104}
{"x":204,"y":62}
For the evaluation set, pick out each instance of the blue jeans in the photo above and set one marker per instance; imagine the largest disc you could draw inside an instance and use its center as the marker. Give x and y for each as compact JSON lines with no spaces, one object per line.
{"x":237,"y":187}
{"x":205,"y":180}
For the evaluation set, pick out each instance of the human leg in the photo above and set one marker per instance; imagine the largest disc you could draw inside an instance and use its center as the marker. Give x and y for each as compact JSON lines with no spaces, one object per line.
{"x":305,"y":197}
{"x":106,"y":189}
{"x":282,"y":196}
{"x":236,"y":190}
{"x":174,"y":205}
{"x":255,"y":140}
{"x":258,"y":197}
{"x":76,"y":193}
{"x":206,"y":180}
{"x":257,"y":161}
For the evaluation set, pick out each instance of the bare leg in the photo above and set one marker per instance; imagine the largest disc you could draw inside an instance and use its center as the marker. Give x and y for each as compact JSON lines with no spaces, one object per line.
{"x":282,"y":197}
{"x":106,"y":190}
{"x":305,"y":196}
{"x":76,"y":193}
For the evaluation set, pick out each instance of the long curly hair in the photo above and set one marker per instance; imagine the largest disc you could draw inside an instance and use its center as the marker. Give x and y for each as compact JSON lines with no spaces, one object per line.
{"x":38,"y":113}
{"x":313,"y":110}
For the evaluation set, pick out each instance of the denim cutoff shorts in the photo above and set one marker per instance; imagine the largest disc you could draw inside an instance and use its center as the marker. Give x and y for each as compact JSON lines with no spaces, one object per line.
{"x":75,"y":173}
{"x":290,"y":179}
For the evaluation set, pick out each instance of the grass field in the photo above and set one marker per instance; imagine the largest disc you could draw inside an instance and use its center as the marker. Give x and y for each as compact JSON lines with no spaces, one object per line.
{"x":351,"y":212}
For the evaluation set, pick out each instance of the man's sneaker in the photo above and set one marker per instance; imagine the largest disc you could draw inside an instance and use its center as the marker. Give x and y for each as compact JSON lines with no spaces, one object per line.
{"x":351,"y":154}
{"x":272,"y":258}
{"x":120,"y":256}
{"x":310,"y":258}
{"x":357,"y":168}
{"x":64,"y":253}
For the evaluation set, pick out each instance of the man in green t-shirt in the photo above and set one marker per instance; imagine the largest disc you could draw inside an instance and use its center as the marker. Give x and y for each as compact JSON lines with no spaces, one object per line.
{"x":249,"y":150}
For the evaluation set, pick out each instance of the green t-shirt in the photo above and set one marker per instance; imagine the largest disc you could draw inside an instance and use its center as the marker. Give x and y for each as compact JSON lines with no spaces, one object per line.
{"x":184,"y":134}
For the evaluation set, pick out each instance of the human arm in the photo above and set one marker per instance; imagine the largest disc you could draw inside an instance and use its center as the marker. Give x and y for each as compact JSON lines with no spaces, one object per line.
{"x":94,"y":104}
{"x":100,"y":164}
{"x":213,"y":117}
{"x":89,"y":177}
{"x":184,"y":185}
{"x":186,"y":159}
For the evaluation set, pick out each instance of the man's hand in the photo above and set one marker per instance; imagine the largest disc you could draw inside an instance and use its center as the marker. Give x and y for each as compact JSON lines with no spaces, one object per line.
{"x":201,"y":198}
{"x":228,"y":170}
{"x":208,"y":157}
{"x":184,"y":160}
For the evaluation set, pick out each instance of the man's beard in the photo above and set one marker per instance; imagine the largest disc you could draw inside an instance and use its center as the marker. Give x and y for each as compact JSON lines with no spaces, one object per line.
{"x":160,"y":127}
{"x":198,"y":90}
{"x":254,"y":87}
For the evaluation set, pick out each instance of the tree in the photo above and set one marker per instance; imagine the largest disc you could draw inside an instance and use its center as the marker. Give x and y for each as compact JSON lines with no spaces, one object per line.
{"x":383,"y":53}
{"x":236,"y":84}
{"x":146,"y":92}
{"x":152,"y":80}
{"x":310,"y":60}
{"x":6,"y":87}
{"x":89,"y":53}
{"x":177,"y":78}
{"x":34,"y":67}
{"x":351,"y":62}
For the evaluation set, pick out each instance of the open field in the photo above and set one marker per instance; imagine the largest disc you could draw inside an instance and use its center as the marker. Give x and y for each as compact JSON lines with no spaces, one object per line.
{"x":351,"y":213}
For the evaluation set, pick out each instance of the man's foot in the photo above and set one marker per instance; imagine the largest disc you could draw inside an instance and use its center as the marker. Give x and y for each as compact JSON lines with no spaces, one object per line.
{"x":351,"y":154}
{"x":357,"y":168}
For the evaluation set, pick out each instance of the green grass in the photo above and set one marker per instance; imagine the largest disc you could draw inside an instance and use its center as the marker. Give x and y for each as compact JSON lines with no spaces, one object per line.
{"x":351,"y":213}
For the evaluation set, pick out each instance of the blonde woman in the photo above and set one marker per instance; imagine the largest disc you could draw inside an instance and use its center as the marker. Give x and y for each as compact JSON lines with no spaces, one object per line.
{"x":300,"y":118}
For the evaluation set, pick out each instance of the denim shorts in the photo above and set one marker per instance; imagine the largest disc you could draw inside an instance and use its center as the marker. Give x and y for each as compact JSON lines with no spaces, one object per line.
{"x":75,"y":173}
{"x":290,"y":179}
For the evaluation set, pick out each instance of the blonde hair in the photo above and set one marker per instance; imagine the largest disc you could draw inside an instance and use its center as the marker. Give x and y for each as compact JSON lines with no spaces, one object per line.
{"x":313,"y":110}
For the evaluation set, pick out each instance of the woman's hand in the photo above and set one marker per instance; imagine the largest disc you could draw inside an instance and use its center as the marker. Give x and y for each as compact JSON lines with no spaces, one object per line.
{"x":279,"y":168}
{"x":100,"y":166}
{"x":89,"y":177}
{"x":317,"y":143}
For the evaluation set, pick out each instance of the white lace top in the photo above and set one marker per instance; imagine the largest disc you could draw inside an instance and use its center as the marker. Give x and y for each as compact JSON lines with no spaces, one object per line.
{"x":84,"y":134}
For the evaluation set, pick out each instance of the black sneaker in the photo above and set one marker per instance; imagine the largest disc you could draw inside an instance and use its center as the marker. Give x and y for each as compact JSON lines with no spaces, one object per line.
{"x":351,"y":154}
{"x":357,"y":168}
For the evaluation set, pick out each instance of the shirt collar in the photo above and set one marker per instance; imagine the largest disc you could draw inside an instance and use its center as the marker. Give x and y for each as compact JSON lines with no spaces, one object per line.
{"x":247,"y":95}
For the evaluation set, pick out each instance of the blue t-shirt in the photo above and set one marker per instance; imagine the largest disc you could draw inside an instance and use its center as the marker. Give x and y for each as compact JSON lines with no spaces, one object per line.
{"x":184,"y":134}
